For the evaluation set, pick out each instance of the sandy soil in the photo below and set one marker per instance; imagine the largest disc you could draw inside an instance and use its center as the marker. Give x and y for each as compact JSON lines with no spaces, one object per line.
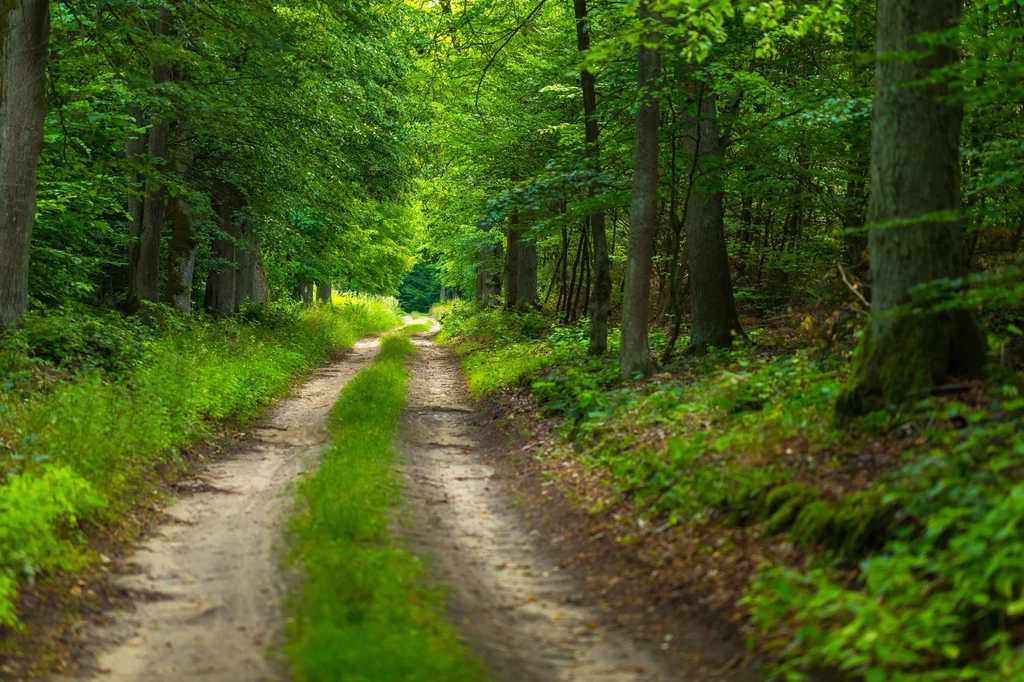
{"x":527,"y":619}
{"x":208,"y":583}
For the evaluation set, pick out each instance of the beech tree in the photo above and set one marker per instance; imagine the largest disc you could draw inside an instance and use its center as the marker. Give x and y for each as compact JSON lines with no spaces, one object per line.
{"x":714,"y":320}
{"x":601,"y":300}
{"x":635,"y":355}
{"x":914,"y":206}
{"x":24,"y":44}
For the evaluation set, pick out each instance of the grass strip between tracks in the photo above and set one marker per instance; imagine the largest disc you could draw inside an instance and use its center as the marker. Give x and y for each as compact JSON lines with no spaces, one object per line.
{"x":363,"y":613}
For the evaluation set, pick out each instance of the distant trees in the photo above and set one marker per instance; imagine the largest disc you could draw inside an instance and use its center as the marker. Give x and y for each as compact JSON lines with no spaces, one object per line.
{"x":761,"y":130}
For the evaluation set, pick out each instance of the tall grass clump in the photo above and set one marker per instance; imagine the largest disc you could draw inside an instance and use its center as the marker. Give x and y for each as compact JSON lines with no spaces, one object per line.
{"x":363,"y":613}
{"x":91,"y":406}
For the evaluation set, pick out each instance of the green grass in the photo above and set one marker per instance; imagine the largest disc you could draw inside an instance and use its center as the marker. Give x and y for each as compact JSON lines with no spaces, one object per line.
{"x":91,"y":407}
{"x":363,"y":614}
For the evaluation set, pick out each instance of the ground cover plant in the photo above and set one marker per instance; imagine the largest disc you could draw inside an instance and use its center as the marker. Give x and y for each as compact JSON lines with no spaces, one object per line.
{"x":363,"y":612}
{"x":92,"y":406}
{"x":883,"y":551}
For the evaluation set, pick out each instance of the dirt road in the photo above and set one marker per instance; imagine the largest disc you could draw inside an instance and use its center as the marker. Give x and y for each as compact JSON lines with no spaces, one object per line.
{"x":209,"y":584}
{"x":524,"y":616}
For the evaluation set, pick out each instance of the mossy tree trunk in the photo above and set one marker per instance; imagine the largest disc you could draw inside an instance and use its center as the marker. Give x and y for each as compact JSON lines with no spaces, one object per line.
{"x":24,"y":44}
{"x":635,"y":353}
{"x":713,"y":316}
{"x":915,"y":179}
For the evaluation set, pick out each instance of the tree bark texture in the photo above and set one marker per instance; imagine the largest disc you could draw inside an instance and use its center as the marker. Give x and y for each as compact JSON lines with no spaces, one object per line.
{"x":181,"y":252}
{"x":145,"y":285}
{"x":250,"y":275}
{"x":635,"y":356}
{"x":512,"y":253}
{"x":304,"y":292}
{"x":915,"y":174}
{"x":220,"y":283}
{"x":135,"y":150}
{"x":323,"y":292}
{"x":601,"y":301}
{"x":24,"y":45}
{"x":714,"y":321}
{"x":488,"y":280}
{"x":526,"y":275}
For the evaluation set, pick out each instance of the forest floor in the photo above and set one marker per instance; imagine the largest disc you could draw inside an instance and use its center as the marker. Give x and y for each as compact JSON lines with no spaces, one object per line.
{"x":532,"y":592}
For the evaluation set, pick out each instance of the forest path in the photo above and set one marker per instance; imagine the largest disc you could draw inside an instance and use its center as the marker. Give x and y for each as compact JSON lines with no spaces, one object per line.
{"x":521,"y":614}
{"x":209,"y":582}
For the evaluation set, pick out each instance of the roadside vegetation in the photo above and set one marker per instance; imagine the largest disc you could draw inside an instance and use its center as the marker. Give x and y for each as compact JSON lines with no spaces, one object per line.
{"x":888,"y":549}
{"x":93,"y":407}
{"x":363,"y":612}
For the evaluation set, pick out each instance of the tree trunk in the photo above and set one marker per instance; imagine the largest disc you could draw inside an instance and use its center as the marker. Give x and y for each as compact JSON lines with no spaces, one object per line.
{"x":512,"y":253}
{"x":601,"y":301}
{"x":250,"y":276}
{"x":221,"y":282}
{"x":304,"y":292}
{"x":24,"y":45}
{"x":181,"y":252}
{"x":635,"y":356}
{"x":488,"y":281}
{"x":526,"y":276}
{"x":323,"y":292}
{"x":915,"y":173}
{"x":135,"y":149}
{"x":145,"y":286}
{"x":714,"y":322}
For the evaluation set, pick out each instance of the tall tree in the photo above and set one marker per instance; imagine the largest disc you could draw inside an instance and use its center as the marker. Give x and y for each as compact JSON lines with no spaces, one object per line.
{"x":601,"y":299}
{"x":714,"y":320}
{"x":635,"y":354}
{"x":145,"y":284}
{"x":250,"y":276}
{"x":915,"y":182}
{"x":221,"y":282}
{"x":526,"y":281}
{"x":512,"y":252}
{"x":181,"y":251}
{"x":323,"y":292}
{"x":24,"y":44}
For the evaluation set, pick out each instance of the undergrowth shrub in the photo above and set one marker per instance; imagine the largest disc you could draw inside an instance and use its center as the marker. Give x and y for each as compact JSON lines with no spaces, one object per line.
{"x":79,"y":438}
